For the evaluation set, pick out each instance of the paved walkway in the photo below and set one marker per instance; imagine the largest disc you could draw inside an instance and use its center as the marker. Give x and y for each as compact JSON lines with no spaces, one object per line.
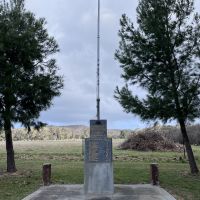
{"x":122,"y":192}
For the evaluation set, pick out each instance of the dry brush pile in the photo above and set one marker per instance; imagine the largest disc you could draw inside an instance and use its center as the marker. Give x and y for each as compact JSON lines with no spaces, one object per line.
{"x":150,"y":140}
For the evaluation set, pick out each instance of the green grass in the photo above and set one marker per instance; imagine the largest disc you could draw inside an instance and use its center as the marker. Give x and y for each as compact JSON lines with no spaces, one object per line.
{"x":130,"y":167}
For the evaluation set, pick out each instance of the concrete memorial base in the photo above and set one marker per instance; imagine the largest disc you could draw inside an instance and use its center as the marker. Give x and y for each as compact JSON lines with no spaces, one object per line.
{"x":122,"y":192}
{"x":98,"y":165}
{"x":98,"y":178}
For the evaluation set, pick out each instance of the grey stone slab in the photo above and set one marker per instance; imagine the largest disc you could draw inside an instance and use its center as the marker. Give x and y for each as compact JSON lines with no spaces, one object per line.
{"x":98,"y":178}
{"x":138,"y":191}
{"x":98,"y":129}
{"x":122,"y":192}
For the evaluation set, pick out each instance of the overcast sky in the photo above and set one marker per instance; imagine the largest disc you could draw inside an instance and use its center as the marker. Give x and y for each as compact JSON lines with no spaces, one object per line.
{"x":73,"y":23}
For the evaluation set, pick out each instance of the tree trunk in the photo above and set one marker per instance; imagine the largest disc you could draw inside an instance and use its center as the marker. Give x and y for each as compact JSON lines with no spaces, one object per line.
{"x":193,"y":166}
{"x":9,"y":147}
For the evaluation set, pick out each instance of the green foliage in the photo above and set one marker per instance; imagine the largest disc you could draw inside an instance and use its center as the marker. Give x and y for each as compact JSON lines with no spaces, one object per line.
{"x":161,"y":55}
{"x":28,"y":73}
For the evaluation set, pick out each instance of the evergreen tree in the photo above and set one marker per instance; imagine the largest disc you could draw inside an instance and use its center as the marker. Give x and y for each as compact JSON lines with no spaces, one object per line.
{"x":161,"y":55}
{"x":28,"y":75}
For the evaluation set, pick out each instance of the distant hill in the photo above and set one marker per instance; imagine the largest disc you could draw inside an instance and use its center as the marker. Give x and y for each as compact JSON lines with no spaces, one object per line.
{"x":71,"y":126}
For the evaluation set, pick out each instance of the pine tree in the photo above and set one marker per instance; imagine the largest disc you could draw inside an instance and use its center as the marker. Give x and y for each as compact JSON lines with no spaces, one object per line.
{"x":28,"y":75}
{"x":161,"y":55}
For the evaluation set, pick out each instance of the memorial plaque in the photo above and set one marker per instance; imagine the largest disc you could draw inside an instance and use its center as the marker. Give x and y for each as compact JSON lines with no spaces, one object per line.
{"x":98,"y":129}
{"x":98,"y":150}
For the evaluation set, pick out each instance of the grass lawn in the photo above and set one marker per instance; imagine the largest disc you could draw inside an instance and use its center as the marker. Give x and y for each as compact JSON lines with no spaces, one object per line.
{"x":130,"y":167}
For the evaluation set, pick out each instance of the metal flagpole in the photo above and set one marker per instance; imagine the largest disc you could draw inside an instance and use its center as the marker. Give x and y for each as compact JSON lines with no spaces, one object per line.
{"x":98,"y":63}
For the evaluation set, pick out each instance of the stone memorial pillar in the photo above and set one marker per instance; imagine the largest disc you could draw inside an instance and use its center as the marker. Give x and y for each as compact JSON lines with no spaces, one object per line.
{"x":98,"y":176}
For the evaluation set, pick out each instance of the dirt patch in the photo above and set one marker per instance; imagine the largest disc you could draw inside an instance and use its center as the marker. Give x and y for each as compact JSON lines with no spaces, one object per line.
{"x":18,"y":174}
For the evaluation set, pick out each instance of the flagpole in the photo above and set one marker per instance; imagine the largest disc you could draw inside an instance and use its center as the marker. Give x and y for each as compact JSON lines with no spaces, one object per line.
{"x":98,"y":62}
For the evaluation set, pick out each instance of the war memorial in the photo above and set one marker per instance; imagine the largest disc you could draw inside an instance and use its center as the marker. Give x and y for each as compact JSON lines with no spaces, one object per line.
{"x":98,"y":166}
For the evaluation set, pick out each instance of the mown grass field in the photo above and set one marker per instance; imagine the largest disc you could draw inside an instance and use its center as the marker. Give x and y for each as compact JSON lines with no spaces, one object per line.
{"x":130,"y":167}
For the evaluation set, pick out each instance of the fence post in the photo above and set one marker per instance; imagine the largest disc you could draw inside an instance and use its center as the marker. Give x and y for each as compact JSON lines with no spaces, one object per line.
{"x":46,"y":174}
{"x":154,"y":174}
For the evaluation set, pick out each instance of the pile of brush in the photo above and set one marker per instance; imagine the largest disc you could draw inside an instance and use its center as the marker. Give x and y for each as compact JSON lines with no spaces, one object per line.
{"x":150,"y":141}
